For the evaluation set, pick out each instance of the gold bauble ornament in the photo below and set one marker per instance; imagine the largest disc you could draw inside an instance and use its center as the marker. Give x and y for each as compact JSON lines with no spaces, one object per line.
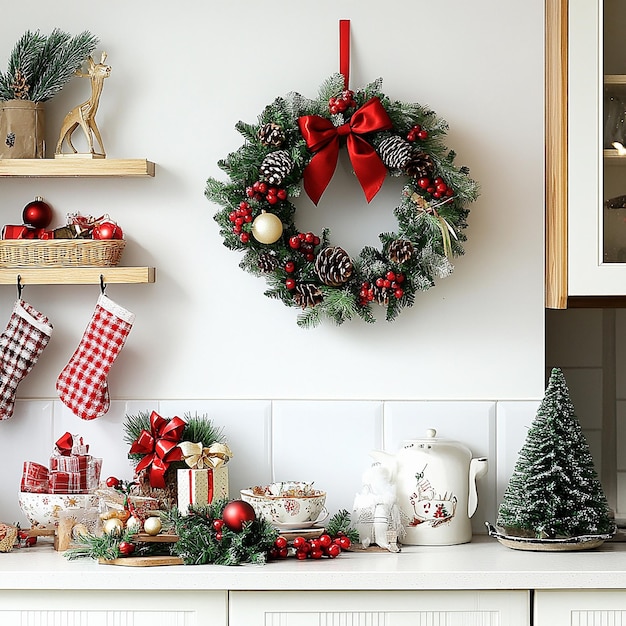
{"x":133,"y":523}
{"x":267,"y":228}
{"x":152,"y":526}
{"x":113,"y":525}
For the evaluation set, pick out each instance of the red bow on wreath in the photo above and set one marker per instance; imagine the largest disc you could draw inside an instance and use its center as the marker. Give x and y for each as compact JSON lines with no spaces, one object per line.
{"x":323,"y":138}
{"x":160,"y":447}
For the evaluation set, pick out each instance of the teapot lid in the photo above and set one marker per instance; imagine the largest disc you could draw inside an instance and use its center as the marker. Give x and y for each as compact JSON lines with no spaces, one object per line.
{"x":431,"y":440}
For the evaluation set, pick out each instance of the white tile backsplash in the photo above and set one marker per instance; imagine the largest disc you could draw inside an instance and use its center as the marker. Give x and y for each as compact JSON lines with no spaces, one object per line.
{"x":322,"y":440}
{"x":328,"y":442}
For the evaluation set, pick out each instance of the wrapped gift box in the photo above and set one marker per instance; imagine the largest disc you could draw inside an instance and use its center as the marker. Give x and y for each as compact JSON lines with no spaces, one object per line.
{"x":201,"y":486}
{"x":35,"y":478}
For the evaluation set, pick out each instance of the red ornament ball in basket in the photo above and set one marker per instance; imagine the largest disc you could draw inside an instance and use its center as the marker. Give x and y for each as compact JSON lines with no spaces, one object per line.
{"x":37,"y":213}
{"x":107,"y":230}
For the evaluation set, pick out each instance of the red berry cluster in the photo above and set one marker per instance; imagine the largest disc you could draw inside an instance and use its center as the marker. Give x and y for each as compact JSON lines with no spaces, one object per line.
{"x":391,"y":282}
{"x":242,"y":215}
{"x":303,"y":549}
{"x":342,"y":102}
{"x":290,"y":268}
{"x":218,"y":524}
{"x":305,"y":244}
{"x":262,"y":191}
{"x":417,"y":132}
{"x":437,"y":187}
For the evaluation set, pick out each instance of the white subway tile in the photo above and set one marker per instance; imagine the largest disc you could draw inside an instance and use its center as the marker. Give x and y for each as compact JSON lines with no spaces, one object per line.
{"x":327,"y":442}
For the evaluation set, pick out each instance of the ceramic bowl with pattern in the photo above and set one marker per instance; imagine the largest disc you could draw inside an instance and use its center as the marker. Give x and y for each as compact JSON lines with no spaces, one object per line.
{"x":44,"y":509}
{"x":292,"y":507}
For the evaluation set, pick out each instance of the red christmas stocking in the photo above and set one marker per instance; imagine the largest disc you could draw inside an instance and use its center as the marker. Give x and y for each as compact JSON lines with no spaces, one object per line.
{"x":82,"y":385}
{"x":21,"y":343}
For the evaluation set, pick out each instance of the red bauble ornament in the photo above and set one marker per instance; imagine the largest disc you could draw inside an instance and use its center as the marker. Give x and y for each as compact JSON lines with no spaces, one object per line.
{"x":107,"y":230}
{"x":112,"y":481}
{"x":37,"y":213}
{"x":236,"y":513}
{"x":126,"y":547}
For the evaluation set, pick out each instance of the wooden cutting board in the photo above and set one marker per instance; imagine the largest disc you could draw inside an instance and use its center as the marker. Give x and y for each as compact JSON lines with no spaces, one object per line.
{"x":143,"y":561}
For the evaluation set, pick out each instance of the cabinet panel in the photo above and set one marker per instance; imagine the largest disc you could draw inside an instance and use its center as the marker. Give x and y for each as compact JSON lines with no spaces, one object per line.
{"x":379,"y":608}
{"x":580,"y":608}
{"x":113,"y":608}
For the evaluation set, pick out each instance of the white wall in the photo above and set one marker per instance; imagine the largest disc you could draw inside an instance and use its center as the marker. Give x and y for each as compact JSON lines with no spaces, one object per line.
{"x":183,"y":75}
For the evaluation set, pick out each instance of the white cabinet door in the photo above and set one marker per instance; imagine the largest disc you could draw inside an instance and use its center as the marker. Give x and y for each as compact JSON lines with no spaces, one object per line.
{"x":113,"y":608}
{"x":582,"y":607}
{"x":379,"y":608}
{"x":596,"y":236}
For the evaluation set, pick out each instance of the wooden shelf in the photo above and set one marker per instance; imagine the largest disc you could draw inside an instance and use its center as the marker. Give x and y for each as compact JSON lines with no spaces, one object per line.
{"x":76,"y":275}
{"x":75,"y":167}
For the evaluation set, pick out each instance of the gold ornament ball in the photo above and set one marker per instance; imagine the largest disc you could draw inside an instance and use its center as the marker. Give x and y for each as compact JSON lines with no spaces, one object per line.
{"x":113,"y":525}
{"x":133,"y":523}
{"x":152,"y":526}
{"x":267,"y":228}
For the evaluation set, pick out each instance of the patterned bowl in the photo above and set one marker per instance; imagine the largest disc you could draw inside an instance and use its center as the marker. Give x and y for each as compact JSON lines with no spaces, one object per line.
{"x":43,"y":509}
{"x":286,"y":509}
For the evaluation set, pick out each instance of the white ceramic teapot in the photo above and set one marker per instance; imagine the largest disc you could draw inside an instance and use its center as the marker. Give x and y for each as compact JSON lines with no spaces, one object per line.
{"x":435,"y":489}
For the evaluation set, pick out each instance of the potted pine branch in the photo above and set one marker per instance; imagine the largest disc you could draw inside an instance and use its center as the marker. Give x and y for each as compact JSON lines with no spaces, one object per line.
{"x":39,"y":67}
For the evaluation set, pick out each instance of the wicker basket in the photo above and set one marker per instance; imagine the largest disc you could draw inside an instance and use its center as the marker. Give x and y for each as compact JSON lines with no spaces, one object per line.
{"x":60,"y":252}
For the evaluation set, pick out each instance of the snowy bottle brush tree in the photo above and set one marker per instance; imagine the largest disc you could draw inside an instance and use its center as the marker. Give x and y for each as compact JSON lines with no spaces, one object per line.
{"x":554,"y":491}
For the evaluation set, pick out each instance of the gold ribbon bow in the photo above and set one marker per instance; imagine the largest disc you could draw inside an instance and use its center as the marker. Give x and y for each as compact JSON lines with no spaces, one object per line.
{"x":444,"y":226}
{"x":198,"y":457}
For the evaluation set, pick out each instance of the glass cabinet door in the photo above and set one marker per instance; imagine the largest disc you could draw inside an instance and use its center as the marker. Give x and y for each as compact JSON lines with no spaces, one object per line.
{"x":614,"y":131}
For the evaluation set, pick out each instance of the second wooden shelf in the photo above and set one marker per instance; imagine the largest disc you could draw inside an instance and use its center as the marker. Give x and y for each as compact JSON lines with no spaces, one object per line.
{"x":76,"y":275}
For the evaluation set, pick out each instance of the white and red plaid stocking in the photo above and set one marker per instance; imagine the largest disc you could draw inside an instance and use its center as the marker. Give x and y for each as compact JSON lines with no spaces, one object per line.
{"x":21,"y":343}
{"x":82,"y":385}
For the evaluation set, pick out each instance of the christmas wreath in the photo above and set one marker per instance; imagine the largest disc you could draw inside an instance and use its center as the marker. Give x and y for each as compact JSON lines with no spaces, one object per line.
{"x":295,"y":143}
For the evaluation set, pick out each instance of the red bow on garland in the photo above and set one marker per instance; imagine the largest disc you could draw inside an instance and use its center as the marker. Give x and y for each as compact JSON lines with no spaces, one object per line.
{"x":160,"y":447}
{"x":323,"y":138}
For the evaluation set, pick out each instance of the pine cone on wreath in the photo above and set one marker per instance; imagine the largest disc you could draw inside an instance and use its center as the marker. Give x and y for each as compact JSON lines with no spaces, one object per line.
{"x":307,"y":295}
{"x":400,"y":251}
{"x":271,"y":134}
{"x":267,"y":262}
{"x":420,"y":165}
{"x":381,"y":294}
{"x":395,"y":152}
{"x":334,"y":266}
{"x":276,"y":166}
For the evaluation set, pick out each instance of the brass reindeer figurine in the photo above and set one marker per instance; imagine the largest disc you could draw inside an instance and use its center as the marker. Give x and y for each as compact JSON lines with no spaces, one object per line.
{"x":84,"y":115}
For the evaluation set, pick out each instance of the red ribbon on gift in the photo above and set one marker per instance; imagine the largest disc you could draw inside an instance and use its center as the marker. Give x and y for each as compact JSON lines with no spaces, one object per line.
{"x":160,"y":447}
{"x":64,"y":444}
{"x":323,"y":138}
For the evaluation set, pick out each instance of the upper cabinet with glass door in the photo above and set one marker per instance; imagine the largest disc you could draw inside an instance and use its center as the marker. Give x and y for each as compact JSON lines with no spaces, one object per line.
{"x":586,"y":153}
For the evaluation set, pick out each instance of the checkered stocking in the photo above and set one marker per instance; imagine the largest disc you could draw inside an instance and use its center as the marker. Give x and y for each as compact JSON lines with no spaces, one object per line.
{"x":21,"y":343}
{"x":82,"y":385}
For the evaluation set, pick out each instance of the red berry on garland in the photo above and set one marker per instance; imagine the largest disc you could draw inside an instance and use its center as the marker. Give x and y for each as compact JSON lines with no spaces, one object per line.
{"x":423,"y":183}
{"x":301,"y":555}
{"x":244,"y":237}
{"x":294,"y":242}
{"x":316,"y":554}
{"x":218,"y":524}
{"x":290,"y":266}
{"x":299,"y":542}
{"x":325,"y":540}
{"x":237,"y":513}
{"x":333,"y":550}
{"x":37,"y":213}
{"x":107,"y":230}
{"x":344,"y":542}
{"x":126,"y":547}
{"x":290,"y":283}
{"x":112,"y":482}
{"x":280,"y":542}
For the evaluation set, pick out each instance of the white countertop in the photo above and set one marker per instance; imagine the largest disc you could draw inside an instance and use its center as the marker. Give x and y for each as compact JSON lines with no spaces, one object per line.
{"x":481,"y":564}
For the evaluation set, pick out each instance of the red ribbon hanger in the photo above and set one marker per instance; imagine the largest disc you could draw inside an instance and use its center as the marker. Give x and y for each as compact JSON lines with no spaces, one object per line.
{"x":322,"y":138}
